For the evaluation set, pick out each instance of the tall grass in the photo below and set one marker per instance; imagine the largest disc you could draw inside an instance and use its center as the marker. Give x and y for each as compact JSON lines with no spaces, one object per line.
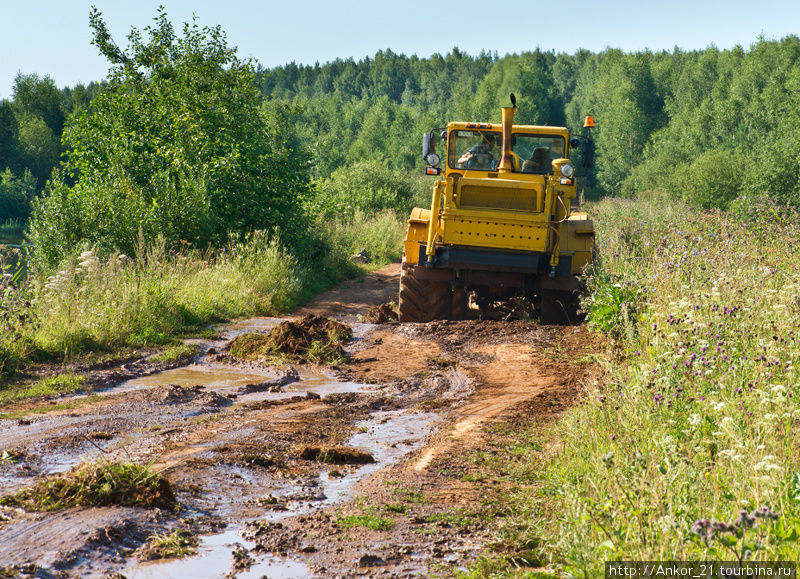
{"x":11,"y":231}
{"x":101,"y":303}
{"x":689,"y":450}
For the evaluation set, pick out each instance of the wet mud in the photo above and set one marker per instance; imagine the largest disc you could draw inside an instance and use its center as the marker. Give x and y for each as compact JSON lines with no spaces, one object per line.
{"x":291,"y":469}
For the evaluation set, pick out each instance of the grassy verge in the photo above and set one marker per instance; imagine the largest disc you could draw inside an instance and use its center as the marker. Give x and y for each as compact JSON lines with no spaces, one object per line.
{"x":689,"y":450}
{"x":95,"y":303}
{"x":177,"y":353}
{"x":58,"y":384}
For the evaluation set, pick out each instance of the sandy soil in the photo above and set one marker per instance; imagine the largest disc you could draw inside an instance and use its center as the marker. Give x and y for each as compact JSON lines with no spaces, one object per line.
{"x":420,"y":399}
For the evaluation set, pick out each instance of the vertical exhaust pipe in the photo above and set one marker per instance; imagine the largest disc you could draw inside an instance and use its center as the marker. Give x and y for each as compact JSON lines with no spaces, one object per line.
{"x":506,"y":164}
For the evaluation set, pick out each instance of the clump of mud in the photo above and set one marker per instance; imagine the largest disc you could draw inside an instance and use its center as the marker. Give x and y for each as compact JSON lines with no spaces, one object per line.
{"x":337,"y":455}
{"x":380,"y":314}
{"x":311,"y":339}
{"x":174,"y":394}
{"x":273,"y":385}
{"x":96,"y":484}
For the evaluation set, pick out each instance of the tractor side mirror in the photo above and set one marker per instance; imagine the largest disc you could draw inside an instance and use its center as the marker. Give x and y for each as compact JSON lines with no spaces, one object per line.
{"x":428,"y":145}
{"x":587,"y":153}
{"x":574,"y":143}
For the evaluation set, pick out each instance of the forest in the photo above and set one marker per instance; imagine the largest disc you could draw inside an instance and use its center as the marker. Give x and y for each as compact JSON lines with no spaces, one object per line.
{"x":705,"y":126}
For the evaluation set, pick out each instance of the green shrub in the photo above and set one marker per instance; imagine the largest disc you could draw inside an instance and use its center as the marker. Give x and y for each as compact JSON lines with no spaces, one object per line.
{"x":16,"y":195}
{"x":714,"y":179}
{"x":613,"y":306}
{"x":368,"y":186}
{"x":175,"y":145}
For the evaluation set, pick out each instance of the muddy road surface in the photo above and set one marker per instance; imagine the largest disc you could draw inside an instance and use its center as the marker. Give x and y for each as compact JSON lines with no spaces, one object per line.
{"x":295,"y":470}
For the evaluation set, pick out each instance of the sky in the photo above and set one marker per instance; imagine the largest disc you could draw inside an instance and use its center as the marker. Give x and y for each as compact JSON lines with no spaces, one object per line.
{"x":52,"y":37}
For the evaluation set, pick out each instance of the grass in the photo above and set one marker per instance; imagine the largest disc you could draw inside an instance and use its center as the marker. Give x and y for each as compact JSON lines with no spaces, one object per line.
{"x":177,"y":353}
{"x":178,"y":543}
{"x":11,"y":231}
{"x":397,"y":508}
{"x":96,"y":484}
{"x":50,"y":386}
{"x":367,"y":520}
{"x":103,"y":303}
{"x":409,"y":495}
{"x":688,"y":450}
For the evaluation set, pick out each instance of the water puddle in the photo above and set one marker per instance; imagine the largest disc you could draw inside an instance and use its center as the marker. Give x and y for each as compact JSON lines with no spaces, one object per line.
{"x":388,"y":436}
{"x":214,"y":560}
{"x":212,"y":376}
{"x":257,"y":325}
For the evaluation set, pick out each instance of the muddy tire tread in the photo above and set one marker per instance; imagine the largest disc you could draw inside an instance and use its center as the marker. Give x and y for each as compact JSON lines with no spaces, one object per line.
{"x":422,"y":300}
{"x":559,"y":307}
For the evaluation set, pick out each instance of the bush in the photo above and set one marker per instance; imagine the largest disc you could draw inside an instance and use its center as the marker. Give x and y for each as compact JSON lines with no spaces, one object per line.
{"x":714,"y":179}
{"x":612,"y":307}
{"x":16,"y":195}
{"x":176,"y":145}
{"x":368,"y":186}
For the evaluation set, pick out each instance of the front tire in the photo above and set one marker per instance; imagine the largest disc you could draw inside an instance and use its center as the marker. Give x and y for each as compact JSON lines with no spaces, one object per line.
{"x":559,"y":307}
{"x":422,"y":300}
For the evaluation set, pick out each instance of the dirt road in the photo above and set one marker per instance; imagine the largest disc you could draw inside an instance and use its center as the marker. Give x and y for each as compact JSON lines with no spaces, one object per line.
{"x":366,"y":469}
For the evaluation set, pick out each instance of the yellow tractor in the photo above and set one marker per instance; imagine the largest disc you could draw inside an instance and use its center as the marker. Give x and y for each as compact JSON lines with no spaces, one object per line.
{"x":501,"y":223}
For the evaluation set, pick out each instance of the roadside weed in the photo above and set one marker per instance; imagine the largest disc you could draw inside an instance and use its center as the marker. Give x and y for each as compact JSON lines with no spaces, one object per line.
{"x":368,"y":520}
{"x":178,"y":543}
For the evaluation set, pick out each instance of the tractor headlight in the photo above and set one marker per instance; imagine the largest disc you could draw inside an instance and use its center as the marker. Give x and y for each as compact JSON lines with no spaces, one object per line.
{"x":433,"y":159}
{"x":567,"y":170}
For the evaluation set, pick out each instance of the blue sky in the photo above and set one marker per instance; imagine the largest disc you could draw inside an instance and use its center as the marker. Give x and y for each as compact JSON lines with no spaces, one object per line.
{"x":52,"y":36}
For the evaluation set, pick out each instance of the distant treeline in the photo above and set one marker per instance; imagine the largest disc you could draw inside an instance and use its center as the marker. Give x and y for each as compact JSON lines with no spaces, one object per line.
{"x":707,"y":126}
{"x":31,"y":125}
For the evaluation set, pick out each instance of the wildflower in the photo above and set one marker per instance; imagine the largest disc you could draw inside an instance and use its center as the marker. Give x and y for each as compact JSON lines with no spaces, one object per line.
{"x":778,"y":389}
{"x":764,"y":513}
{"x":702,"y":528}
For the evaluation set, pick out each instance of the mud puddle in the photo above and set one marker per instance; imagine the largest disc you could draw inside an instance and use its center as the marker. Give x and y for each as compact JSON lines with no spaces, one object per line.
{"x":214,"y":560}
{"x":198,"y":423}
{"x":387,"y":437}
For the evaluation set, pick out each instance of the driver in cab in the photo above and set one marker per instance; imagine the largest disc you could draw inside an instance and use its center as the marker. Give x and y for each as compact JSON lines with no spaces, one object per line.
{"x":479,"y":156}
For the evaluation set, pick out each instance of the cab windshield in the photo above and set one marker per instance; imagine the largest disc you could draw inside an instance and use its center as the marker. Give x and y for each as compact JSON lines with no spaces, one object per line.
{"x":480,"y":151}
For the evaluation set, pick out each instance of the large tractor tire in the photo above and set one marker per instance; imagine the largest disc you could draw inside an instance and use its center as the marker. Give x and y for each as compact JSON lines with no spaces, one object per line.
{"x":559,"y":307}
{"x":422,"y":300}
